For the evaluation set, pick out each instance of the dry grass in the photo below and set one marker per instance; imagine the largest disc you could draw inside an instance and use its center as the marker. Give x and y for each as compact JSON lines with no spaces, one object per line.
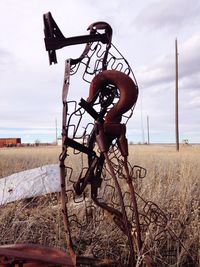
{"x":13,"y":160}
{"x":170,"y":175}
{"x":172,"y":182}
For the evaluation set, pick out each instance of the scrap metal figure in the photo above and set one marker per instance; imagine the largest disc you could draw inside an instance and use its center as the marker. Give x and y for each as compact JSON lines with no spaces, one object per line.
{"x":106,"y":222}
{"x":100,"y":143}
{"x":106,"y":86}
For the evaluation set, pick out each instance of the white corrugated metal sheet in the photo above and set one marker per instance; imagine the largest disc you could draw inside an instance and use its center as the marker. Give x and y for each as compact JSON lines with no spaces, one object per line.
{"x":30,"y":183}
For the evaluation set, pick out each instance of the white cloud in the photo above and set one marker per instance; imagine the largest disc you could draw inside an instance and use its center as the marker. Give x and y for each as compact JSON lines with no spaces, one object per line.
{"x":30,"y":89}
{"x":163,"y":69}
{"x":170,"y":14}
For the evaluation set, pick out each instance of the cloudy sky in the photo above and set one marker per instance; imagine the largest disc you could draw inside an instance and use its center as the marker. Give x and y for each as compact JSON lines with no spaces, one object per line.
{"x":145,"y":33}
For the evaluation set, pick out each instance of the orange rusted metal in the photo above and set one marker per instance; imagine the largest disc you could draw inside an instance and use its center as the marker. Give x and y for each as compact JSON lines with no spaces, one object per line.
{"x":127,"y":89}
{"x":31,"y":255}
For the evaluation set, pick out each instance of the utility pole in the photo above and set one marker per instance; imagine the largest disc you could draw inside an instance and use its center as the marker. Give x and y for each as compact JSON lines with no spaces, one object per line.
{"x":141,"y":117}
{"x":176,"y":98}
{"x":148,"y":137}
{"x":56,"y":132}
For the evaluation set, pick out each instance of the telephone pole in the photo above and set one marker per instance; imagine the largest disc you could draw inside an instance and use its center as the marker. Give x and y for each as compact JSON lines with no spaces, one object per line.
{"x":148,"y":137}
{"x":56,"y":131}
{"x":176,"y":98}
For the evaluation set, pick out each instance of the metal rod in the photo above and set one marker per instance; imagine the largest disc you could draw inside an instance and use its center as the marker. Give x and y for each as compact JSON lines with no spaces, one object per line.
{"x":134,"y":201}
{"x":123,"y":210}
{"x":67,"y":231}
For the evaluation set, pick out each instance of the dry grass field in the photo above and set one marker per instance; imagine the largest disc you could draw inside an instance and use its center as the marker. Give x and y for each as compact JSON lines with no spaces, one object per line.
{"x":17,"y":159}
{"x":172,"y":182}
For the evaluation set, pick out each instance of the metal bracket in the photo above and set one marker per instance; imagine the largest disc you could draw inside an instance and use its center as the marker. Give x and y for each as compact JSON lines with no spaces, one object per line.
{"x":54,"y":38}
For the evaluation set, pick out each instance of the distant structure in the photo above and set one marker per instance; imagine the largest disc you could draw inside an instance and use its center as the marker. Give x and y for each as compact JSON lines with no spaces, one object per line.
{"x":185,"y":142}
{"x":10,"y":142}
{"x":59,"y":141}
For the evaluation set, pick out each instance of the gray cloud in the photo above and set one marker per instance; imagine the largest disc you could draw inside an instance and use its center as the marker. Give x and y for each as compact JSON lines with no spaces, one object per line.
{"x":157,"y":82}
{"x":30,"y":90}
{"x":163,"y":71}
{"x":168,"y":14}
{"x":6,"y":60}
{"x":189,"y":57}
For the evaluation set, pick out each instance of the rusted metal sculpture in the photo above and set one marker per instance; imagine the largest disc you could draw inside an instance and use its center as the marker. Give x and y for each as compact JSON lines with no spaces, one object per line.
{"x":106,"y":86}
{"x":101,"y":144}
{"x":106,"y":222}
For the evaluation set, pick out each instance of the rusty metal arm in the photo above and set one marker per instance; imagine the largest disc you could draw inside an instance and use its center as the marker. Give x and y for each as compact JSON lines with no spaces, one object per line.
{"x":55,"y":43}
{"x":54,"y":38}
{"x":72,"y":143}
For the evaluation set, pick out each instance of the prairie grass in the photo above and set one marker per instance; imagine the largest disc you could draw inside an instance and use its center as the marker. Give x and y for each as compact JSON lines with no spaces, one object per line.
{"x":172,"y":182}
{"x":18,"y":159}
{"x":171,"y":175}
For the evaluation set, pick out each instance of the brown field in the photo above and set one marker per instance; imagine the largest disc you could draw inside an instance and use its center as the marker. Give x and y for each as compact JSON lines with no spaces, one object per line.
{"x":23,"y":158}
{"x":172,"y":182}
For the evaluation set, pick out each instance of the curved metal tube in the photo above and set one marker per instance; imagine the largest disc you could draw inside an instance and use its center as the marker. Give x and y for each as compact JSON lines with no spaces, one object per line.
{"x":127,"y":88}
{"x":31,"y":255}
